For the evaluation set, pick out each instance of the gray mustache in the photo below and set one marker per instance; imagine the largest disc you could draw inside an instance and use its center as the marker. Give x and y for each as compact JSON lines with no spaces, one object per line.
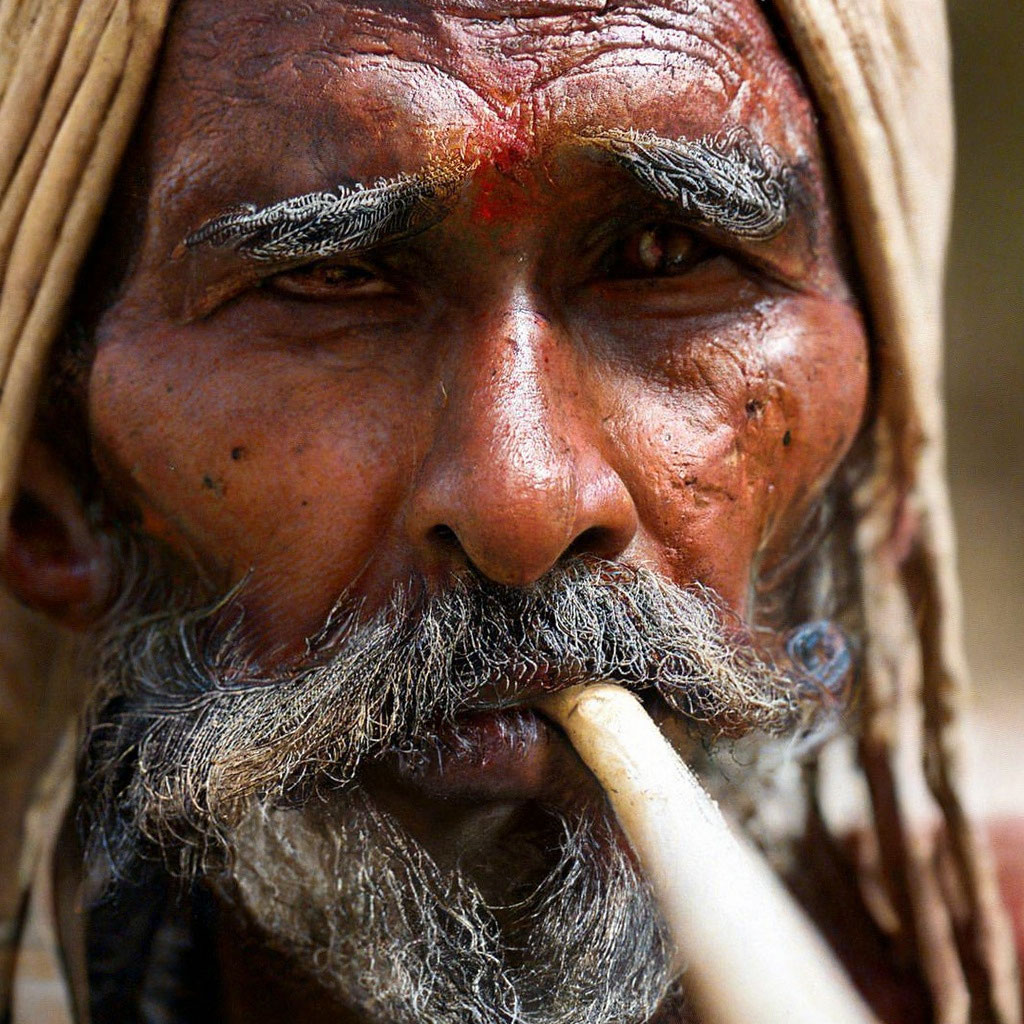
{"x":186,"y":731}
{"x":593,"y":620}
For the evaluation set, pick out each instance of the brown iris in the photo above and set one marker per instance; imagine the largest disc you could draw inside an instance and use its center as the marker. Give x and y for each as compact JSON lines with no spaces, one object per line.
{"x":328,"y":281}
{"x":658,"y":250}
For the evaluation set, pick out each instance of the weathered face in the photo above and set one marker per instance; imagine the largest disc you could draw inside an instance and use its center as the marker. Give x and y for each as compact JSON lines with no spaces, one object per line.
{"x":590,"y":301}
{"x":564,"y":362}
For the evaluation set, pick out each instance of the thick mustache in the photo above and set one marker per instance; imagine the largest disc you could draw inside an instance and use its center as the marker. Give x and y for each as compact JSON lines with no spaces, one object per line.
{"x":186,"y":731}
{"x":592,"y":620}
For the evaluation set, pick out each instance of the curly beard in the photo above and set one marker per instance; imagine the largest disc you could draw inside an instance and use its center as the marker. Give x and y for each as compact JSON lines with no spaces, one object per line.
{"x":344,"y":891}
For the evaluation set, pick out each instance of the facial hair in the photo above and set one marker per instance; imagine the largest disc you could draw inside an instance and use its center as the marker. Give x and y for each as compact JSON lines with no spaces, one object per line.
{"x":342,"y":890}
{"x":252,"y":775}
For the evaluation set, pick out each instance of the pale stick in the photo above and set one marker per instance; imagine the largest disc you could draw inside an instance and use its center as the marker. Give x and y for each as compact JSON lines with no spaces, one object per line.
{"x":749,"y":954}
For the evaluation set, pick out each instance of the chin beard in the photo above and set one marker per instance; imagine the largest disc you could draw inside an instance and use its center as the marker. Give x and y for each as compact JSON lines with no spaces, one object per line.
{"x":343,"y":893}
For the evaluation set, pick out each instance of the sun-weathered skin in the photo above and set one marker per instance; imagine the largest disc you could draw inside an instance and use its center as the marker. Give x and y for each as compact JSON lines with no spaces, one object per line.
{"x":878,"y":71}
{"x":522,"y":379}
{"x":493,"y":380}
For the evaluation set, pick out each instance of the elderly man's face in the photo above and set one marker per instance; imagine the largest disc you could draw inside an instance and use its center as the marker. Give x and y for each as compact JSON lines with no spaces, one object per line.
{"x":562,"y":363}
{"x":589,"y":302}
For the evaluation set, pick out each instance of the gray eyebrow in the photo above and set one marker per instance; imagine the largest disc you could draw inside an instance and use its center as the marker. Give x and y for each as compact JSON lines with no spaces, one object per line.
{"x":315,"y":225}
{"x":729,"y":181}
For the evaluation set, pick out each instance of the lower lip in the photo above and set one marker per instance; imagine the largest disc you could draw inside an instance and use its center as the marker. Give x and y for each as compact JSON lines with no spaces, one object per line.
{"x":487,"y":756}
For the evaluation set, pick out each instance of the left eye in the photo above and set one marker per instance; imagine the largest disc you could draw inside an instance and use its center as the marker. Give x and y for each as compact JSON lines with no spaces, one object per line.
{"x":657,"y":250}
{"x":328,"y":281}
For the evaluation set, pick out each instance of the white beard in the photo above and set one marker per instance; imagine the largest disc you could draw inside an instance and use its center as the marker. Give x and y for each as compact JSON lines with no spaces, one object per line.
{"x":349,"y":898}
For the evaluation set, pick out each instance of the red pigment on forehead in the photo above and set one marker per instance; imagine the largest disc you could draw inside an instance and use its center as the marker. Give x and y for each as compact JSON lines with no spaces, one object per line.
{"x":496,"y":198}
{"x":498,"y":150}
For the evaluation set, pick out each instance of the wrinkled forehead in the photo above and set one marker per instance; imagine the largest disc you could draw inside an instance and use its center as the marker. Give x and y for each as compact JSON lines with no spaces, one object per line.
{"x":389,"y":84}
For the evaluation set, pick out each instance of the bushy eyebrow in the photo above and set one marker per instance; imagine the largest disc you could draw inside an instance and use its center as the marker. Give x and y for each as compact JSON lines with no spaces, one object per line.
{"x":316,"y":225}
{"x":729,"y":182}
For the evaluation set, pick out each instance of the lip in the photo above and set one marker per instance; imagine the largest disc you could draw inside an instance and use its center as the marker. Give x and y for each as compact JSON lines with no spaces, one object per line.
{"x":499,"y":754}
{"x":480,"y":756}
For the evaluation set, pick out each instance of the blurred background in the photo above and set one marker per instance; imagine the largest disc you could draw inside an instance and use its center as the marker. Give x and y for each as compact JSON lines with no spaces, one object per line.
{"x":985,"y":379}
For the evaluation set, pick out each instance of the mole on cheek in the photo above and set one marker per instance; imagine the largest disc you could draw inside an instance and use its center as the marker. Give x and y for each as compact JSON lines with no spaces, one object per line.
{"x":212,"y":484}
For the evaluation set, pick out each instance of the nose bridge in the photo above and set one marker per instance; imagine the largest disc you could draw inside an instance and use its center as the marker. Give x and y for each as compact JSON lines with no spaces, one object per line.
{"x":513,"y":410}
{"x":505,"y":451}
{"x":505,"y":474}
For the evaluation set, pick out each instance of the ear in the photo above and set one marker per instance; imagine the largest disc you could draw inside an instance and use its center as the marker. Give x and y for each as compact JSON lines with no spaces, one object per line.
{"x":54,"y":561}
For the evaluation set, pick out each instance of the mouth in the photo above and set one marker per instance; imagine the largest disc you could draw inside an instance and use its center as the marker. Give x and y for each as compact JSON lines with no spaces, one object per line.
{"x":480,"y":756}
{"x":504,"y":754}
{"x":485,"y":780}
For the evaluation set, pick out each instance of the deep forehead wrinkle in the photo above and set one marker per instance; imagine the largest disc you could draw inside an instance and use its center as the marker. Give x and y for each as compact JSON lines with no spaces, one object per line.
{"x":510,"y":54}
{"x":635,"y":33}
{"x":368,"y":90}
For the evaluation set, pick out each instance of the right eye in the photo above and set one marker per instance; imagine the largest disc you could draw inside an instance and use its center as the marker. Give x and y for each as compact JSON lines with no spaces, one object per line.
{"x":326,"y":282}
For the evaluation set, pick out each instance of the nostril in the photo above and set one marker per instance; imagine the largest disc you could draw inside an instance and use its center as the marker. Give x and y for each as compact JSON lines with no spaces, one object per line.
{"x":596,"y":540}
{"x":444,"y":537}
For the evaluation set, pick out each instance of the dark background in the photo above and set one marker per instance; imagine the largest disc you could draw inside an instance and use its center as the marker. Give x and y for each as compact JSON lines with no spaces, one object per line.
{"x":985,"y":377}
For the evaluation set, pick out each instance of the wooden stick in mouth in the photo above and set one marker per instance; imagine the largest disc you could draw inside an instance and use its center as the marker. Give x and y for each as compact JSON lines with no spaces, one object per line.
{"x":749,"y":954}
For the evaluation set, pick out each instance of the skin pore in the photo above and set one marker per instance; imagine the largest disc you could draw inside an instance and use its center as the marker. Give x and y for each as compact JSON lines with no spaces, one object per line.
{"x":553,"y":361}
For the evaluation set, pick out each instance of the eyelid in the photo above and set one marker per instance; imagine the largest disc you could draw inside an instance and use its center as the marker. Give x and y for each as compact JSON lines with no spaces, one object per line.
{"x":711,"y":257}
{"x":784,"y":258}
{"x":204,"y":296}
{"x":360,"y":262}
{"x":376,"y":282}
{"x":608,"y":240}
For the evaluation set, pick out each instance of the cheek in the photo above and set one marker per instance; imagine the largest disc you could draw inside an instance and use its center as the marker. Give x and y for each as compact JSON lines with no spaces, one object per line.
{"x":737,"y":433}
{"x":239,"y":460}
{"x":820,"y":365}
{"x":695,"y":501}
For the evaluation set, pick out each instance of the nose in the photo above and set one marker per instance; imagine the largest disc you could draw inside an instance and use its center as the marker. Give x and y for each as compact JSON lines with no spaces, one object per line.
{"x":516,"y":479}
